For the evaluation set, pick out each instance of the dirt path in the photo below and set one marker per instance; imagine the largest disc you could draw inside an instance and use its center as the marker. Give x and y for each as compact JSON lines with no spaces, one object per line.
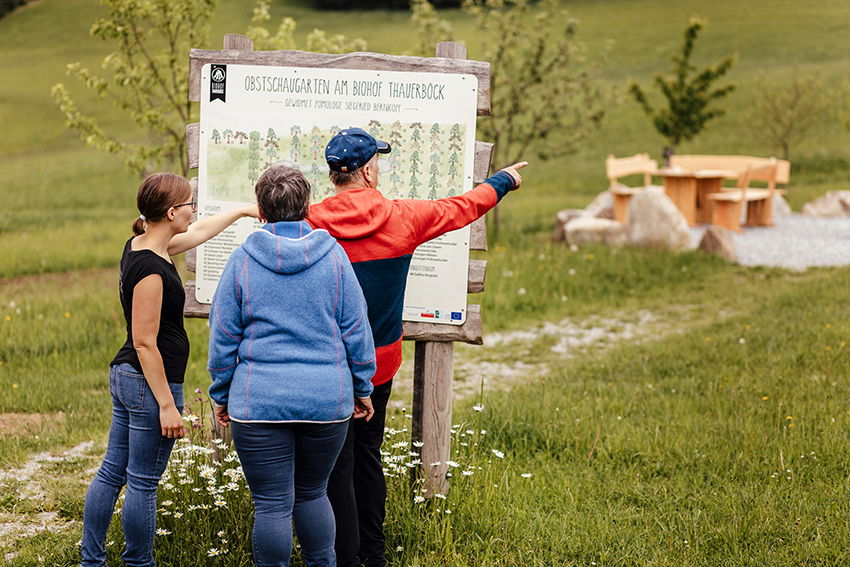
{"x":519,"y":356}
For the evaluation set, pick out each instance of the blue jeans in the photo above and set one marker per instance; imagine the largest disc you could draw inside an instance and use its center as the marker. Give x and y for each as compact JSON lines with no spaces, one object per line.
{"x":136,"y":455}
{"x":287,"y":468}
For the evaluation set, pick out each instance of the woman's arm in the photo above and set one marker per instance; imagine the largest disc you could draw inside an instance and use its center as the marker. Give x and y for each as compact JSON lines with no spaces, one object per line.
{"x":357,"y":337}
{"x":147,"y":302}
{"x":204,"y":229}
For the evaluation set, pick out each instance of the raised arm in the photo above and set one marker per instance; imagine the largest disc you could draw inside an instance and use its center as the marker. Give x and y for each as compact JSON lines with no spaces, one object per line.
{"x":430,"y":219}
{"x":147,"y":303}
{"x":204,"y":229}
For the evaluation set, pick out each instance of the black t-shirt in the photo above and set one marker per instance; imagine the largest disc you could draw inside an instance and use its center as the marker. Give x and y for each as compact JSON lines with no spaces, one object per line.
{"x":172,"y":342}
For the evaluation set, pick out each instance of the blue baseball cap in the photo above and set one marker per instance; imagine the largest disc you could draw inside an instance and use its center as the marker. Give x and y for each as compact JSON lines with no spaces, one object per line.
{"x":352,"y":148}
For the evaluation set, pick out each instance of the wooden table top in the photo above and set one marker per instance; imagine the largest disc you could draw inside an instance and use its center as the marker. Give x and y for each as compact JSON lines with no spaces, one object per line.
{"x":698,"y":173}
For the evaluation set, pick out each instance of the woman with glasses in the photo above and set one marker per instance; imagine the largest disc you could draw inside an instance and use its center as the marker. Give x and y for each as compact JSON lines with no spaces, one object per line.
{"x":146,"y":376}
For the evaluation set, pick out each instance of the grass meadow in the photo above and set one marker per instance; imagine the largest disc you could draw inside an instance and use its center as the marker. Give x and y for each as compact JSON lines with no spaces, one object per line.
{"x":718,"y":439}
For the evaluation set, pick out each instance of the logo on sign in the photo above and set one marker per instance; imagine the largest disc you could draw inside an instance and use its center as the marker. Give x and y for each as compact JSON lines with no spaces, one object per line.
{"x":456,"y":315}
{"x":218,"y":78}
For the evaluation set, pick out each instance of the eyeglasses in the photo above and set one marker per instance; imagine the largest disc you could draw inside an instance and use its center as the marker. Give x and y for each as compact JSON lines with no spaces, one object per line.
{"x":193,"y":204}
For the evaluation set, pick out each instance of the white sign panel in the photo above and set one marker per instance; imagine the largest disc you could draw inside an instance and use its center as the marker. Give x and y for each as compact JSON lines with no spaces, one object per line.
{"x":255,"y":116}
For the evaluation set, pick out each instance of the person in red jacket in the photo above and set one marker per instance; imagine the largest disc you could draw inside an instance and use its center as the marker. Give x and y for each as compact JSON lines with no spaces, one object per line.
{"x":380,"y":235}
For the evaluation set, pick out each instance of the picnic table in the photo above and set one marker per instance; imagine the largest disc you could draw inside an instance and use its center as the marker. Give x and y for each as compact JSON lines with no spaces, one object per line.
{"x":689,"y":190}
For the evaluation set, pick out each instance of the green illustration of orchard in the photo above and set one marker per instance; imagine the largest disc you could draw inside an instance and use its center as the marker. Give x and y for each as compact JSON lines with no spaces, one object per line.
{"x":426,"y":161}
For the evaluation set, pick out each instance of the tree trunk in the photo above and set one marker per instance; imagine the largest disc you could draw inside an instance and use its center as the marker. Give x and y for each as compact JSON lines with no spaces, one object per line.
{"x":666,"y":153}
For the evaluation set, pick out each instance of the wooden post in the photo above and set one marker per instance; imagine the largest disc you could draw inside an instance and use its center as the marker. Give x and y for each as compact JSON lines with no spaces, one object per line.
{"x":432,"y":386}
{"x":432,"y":414}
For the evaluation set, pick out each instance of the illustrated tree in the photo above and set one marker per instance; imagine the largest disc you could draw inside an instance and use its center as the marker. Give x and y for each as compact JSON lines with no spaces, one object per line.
{"x":272,"y":146}
{"x":241,"y":137}
{"x":455,"y":138}
{"x":254,"y":156}
{"x":295,"y":142}
{"x":414,"y":184}
{"x":315,"y":180}
{"x":689,"y":93}
{"x":434,"y":181}
{"x":783,"y":114}
{"x":216,"y":136}
{"x":414,"y":161}
{"x":395,"y":136}
{"x":228,"y":135}
{"x":316,"y":141}
{"x":395,"y":176}
{"x":375,"y":128}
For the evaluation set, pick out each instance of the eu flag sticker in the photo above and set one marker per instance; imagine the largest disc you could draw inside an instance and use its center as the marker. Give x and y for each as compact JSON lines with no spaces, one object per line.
{"x":457,"y":315}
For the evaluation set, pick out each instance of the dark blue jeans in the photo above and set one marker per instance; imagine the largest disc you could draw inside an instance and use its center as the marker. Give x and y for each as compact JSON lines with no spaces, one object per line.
{"x":136,"y":456}
{"x":287,"y":468}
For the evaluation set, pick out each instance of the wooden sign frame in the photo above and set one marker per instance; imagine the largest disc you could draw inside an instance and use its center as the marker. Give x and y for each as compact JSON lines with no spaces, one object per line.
{"x":433,"y":361}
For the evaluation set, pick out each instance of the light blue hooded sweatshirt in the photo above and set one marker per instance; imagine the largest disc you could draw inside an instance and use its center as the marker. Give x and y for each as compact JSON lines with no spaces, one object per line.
{"x":289,"y":337}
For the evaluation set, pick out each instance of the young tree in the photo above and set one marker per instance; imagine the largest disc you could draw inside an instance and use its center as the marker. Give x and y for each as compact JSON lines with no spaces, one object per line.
{"x":545,"y":98}
{"x":784,"y":112}
{"x":147,"y":78}
{"x":284,"y":37}
{"x":431,"y":29}
{"x":689,"y":94}
{"x":147,"y":75}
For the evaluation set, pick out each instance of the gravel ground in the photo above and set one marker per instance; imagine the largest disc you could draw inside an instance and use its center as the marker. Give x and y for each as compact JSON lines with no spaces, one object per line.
{"x":796,"y":242}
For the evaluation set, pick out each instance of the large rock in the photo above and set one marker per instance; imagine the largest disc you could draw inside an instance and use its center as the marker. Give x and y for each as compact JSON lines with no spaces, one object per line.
{"x":602,"y":206}
{"x":590,"y":230}
{"x":833,"y":204}
{"x":781,"y":208}
{"x":654,"y":221}
{"x":561,"y":219}
{"x":718,"y":240}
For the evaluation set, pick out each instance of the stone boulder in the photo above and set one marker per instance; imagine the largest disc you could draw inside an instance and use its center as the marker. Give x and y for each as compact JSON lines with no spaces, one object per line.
{"x":561,"y":219}
{"x":602,"y":206}
{"x":833,"y":204}
{"x":781,"y":208}
{"x":655,"y":222}
{"x":718,"y":241}
{"x":590,"y":230}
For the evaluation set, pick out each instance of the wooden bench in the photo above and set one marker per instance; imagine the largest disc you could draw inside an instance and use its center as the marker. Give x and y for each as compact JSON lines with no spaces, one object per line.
{"x":727,"y":205}
{"x":638,"y":164}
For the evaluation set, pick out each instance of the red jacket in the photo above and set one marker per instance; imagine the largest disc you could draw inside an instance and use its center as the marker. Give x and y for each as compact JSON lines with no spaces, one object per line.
{"x":379,"y":235}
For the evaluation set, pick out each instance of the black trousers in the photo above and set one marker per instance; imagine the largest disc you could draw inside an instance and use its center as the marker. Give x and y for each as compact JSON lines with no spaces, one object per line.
{"x":358,"y":491}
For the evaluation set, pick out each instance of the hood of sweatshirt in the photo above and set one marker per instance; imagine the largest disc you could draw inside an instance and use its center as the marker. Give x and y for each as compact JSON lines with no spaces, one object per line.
{"x":288,"y":247}
{"x":353,"y":213}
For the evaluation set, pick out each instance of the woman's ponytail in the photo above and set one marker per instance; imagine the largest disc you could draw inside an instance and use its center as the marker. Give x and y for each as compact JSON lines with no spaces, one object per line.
{"x":138,"y":226}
